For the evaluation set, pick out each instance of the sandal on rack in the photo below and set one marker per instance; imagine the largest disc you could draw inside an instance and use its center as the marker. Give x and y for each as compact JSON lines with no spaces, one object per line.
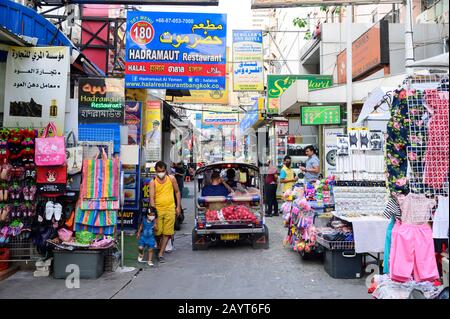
{"x":57,"y":211}
{"x":26,"y":193}
{"x":49,"y":210}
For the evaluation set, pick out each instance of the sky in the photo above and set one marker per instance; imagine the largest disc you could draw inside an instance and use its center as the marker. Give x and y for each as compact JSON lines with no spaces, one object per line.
{"x":239,"y":14}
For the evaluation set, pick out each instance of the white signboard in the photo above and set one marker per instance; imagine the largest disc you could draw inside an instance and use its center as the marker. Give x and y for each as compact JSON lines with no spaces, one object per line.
{"x":36,"y":87}
{"x":248,"y":61}
{"x":330,"y":138}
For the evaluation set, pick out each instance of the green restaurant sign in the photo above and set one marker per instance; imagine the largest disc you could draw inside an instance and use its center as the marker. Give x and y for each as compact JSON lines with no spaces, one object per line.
{"x":277,"y":84}
{"x":321,"y":115}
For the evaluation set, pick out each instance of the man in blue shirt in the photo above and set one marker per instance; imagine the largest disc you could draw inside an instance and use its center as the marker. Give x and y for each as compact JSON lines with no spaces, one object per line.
{"x":217,"y":187}
{"x":312,"y":168}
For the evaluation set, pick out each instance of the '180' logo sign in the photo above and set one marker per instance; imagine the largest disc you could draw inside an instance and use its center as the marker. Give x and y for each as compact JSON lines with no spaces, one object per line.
{"x":142,"y":32}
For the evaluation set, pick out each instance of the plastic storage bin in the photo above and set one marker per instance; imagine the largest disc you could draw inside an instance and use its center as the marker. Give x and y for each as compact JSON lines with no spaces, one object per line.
{"x":343,"y":264}
{"x":90,"y":262}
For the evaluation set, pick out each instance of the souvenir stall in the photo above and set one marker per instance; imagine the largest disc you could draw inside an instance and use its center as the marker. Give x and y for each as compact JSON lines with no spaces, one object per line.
{"x":305,"y":209}
{"x":417,"y":160}
{"x":54,"y":206}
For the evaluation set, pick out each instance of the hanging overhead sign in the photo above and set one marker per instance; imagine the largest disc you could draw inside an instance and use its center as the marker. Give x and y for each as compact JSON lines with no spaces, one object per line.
{"x":219,"y":118}
{"x":171,"y":50}
{"x":248,"y":60}
{"x":268,"y":4}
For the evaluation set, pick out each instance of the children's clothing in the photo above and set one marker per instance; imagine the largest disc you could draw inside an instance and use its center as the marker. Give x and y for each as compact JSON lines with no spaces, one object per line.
{"x":147,"y":236}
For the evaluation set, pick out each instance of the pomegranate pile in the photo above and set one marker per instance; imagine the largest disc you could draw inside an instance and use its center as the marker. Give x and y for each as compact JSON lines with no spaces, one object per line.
{"x":231,"y":214}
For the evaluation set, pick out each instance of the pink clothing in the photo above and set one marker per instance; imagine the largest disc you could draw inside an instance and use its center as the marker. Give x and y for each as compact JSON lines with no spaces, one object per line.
{"x":413,"y":252}
{"x":436,"y":157}
{"x":415,"y":208}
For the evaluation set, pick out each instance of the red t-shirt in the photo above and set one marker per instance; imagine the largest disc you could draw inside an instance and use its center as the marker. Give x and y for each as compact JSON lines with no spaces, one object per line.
{"x":270,"y":178}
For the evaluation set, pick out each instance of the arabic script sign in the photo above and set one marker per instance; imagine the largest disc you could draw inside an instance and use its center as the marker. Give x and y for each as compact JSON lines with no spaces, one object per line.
{"x":100,"y":100}
{"x":248,"y":60}
{"x":168,"y":50}
{"x":36,"y":87}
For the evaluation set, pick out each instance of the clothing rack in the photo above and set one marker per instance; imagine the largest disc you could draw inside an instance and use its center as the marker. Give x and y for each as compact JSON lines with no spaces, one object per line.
{"x":424,"y":177}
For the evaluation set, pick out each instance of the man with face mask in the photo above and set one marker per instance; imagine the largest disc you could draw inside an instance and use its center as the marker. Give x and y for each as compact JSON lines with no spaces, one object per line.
{"x":162,"y":189}
{"x":287,"y":175}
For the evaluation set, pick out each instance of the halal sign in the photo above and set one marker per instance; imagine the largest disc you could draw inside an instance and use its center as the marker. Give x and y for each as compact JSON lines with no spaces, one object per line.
{"x":142,"y":32}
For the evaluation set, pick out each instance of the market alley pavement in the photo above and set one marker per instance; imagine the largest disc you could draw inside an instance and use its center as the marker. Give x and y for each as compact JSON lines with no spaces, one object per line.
{"x":219,"y":272}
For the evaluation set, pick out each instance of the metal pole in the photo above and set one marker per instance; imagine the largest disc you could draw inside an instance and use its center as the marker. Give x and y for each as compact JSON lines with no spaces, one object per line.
{"x":409,"y":48}
{"x":349,"y":94}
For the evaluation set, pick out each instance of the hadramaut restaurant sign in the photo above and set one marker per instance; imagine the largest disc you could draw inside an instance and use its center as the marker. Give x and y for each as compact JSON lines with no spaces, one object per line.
{"x":167,"y":50}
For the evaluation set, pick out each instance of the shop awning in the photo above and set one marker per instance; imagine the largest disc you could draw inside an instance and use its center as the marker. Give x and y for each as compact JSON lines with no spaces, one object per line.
{"x":19,"y":23}
{"x":438,"y":61}
{"x":296,"y":96}
{"x":9,"y":38}
{"x":376,"y":99}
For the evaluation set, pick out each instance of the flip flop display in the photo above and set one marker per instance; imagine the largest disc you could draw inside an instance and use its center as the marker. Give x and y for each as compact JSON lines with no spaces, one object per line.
{"x":17,"y":184}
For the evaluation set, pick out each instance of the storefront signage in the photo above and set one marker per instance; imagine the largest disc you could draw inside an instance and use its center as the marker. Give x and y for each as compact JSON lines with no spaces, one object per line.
{"x":36,"y":87}
{"x":100,"y":100}
{"x":320,"y":115}
{"x":370,"y":53}
{"x":152,"y":127}
{"x":170,"y":50}
{"x":268,"y":4}
{"x":220,"y":118}
{"x":248,"y":60}
{"x":277,"y":84}
{"x":204,"y":97}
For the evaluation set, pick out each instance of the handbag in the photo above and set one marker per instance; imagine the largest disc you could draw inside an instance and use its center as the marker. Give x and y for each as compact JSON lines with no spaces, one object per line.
{"x":74,"y":182}
{"x":50,"y":151}
{"x":51,"y":179}
{"x":74,"y":155}
{"x":65,"y":234}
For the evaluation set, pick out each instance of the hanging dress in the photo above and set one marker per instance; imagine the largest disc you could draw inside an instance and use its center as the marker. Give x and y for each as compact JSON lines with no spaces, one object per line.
{"x":396,"y":145}
{"x":436,"y":158}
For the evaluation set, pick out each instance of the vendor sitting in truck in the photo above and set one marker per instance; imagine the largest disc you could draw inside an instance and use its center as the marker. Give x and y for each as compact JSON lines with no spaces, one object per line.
{"x":217,"y":187}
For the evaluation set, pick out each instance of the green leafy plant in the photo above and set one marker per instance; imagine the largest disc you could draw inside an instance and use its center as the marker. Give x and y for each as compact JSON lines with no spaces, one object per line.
{"x":308,"y":35}
{"x":338,"y":10}
{"x":324,"y":8}
{"x":300,"y":22}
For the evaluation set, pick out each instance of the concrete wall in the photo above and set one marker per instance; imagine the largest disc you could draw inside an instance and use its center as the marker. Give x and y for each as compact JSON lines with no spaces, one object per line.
{"x":428,"y":41}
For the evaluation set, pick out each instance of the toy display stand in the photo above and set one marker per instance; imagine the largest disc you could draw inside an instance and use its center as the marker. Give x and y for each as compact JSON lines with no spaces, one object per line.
{"x":303,"y":214}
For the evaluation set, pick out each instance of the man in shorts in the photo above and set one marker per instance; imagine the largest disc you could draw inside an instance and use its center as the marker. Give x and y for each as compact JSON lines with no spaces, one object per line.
{"x":168,"y":207}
